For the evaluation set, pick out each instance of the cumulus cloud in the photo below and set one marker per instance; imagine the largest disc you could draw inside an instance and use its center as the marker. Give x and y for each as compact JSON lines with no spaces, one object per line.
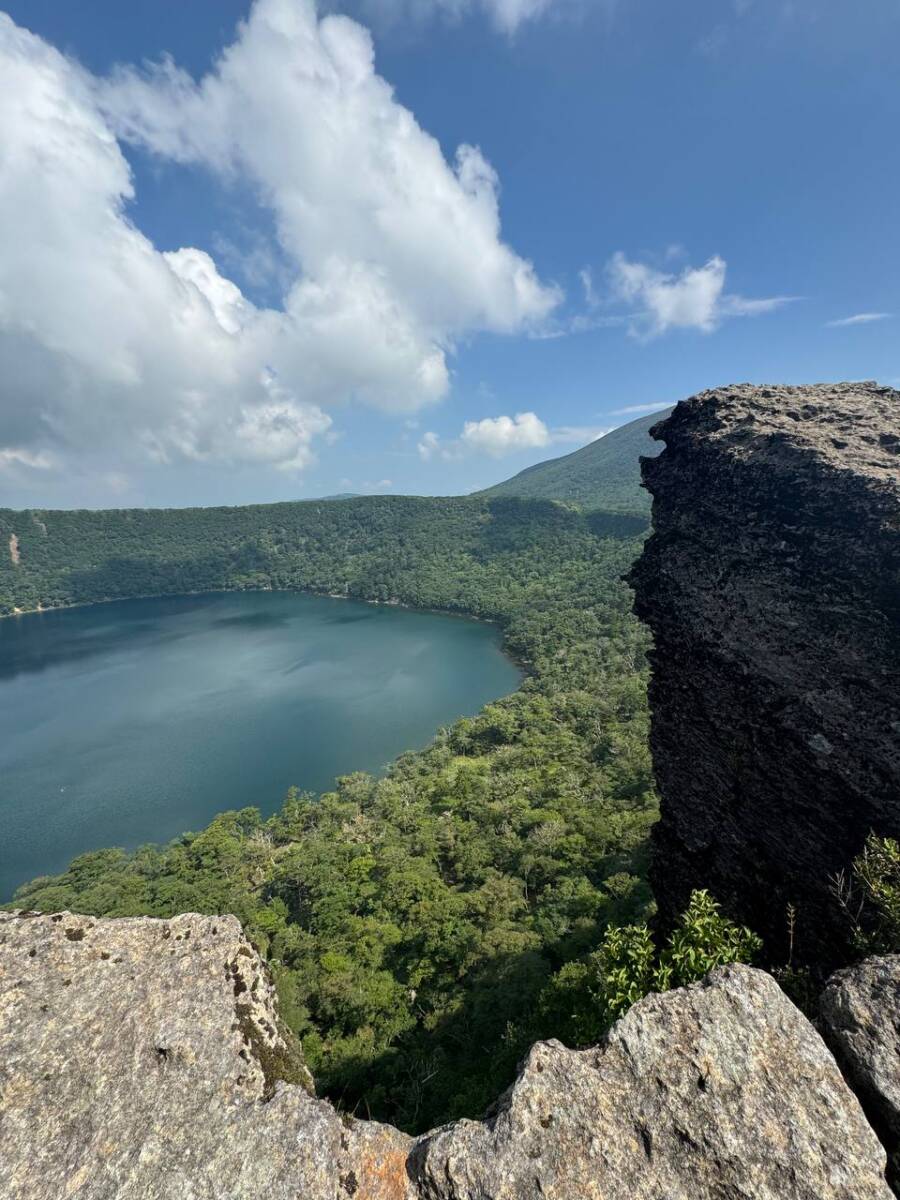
{"x":864,"y":318}
{"x":112,"y":349}
{"x":693,"y":299}
{"x":498,"y":437}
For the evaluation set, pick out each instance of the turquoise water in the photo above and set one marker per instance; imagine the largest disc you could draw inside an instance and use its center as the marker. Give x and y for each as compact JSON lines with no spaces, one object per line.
{"x":135,"y":721}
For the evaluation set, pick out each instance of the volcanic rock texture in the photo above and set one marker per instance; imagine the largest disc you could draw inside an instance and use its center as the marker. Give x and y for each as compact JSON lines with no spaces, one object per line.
{"x":771,"y":584}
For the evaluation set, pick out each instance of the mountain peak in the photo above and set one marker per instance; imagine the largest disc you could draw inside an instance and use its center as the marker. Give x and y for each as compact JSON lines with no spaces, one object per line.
{"x":604,"y":474}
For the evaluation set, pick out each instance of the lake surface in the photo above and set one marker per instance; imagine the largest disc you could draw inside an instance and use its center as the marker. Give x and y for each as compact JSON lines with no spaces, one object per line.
{"x":134,"y":721}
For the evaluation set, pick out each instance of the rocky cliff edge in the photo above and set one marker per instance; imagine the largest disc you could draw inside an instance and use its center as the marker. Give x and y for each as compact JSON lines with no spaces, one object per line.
{"x":144,"y":1060}
{"x":771,"y":585}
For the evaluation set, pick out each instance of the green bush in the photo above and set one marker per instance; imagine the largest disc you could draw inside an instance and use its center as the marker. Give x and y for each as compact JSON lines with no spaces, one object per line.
{"x":629,"y":967}
{"x":871,"y":897}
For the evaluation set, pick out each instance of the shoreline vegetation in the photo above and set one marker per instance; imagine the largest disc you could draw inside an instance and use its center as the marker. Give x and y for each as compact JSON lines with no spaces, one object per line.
{"x":426,"y":926}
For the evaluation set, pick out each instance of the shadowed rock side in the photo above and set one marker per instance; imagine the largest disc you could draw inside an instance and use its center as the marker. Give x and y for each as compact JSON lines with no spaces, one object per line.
{"x":771,"y":584}
{"x":140,"y":1059}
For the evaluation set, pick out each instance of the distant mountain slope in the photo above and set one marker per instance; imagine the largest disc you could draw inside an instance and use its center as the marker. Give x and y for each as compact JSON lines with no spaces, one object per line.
{"x":604,"y":474}
{"x":430,"y":552}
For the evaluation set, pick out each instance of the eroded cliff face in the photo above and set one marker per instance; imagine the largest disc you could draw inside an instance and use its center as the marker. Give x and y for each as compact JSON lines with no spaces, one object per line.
{"x":140,"y":1060}
{"x":771,"y":584}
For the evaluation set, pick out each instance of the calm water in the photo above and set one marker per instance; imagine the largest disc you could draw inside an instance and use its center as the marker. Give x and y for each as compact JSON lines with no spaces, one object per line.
{"x":132,"y":722}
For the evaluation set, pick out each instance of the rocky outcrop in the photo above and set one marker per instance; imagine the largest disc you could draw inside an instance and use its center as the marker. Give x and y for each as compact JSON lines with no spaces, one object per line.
{"x":719,"y":1090}
{"x":143,"y":1060}
{"x":860,"y":1011}
{"x":771,"y":584}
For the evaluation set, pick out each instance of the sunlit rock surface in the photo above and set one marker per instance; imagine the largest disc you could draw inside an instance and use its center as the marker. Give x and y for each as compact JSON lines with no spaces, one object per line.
{"x":140,"y":1059}
{"x":860,"y":1012}
{"x":772,"y":587}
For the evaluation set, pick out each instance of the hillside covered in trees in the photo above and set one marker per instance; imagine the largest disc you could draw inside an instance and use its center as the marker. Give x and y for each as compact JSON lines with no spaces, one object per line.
{"x":604,"y":474}
{"x":444,"y":552}
{"x":424,"y":927}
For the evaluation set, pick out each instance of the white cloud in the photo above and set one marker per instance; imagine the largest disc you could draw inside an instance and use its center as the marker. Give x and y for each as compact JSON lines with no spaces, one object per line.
{"x":505,"y":15}
{"x":510,"y":14}
{"x":14,"y":456}
{"x":637,"y":408}
{"x":864,"y":318}
{"x":113,"y":351}
{"x":498,"y":437}
{"x":591,"y":298}
{"x":582,"y":434}
{"x":429,"y":446}
{"x":693,"y":299}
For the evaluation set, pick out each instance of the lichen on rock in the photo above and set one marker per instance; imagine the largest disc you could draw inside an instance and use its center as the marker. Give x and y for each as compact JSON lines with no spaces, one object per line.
{"x":860,"y":1015}
{"x":718,"y":1091}
{"x":138,"y":1058}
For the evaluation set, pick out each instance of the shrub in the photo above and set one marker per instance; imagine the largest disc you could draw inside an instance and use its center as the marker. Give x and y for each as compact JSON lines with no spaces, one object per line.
{"x":628,"y":965}
{"x":871,"y":896}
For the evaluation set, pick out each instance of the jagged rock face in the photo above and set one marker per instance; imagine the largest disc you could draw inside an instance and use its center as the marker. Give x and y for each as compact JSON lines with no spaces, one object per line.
{"x":771,"y":584}
{"x":860,"y":1012}
{"x":719,"y":1091}
{"x":138,"y":1060}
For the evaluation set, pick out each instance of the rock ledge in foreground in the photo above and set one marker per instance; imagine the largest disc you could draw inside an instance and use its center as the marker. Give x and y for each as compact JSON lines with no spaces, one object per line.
{"x":138,"y":1060}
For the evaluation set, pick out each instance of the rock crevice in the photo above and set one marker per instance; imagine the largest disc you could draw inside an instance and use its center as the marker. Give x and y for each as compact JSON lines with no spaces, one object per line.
{"x":860,"y":1017}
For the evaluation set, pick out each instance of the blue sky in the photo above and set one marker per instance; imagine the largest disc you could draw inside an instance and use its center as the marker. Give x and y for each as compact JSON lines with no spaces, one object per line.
{"x":273,"y":284}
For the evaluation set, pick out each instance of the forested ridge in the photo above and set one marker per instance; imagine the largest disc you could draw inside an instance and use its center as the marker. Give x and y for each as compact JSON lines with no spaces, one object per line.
{"x":425,"y":927}
{"x":441,"y":552}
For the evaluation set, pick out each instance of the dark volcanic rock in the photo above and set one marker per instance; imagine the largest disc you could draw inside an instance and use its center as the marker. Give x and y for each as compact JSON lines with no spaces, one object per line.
{"x":772,"y":586}
{"x":860,"y":1014}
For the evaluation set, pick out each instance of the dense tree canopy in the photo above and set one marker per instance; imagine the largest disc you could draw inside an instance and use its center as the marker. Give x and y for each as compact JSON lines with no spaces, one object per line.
{"x":423,"y":927}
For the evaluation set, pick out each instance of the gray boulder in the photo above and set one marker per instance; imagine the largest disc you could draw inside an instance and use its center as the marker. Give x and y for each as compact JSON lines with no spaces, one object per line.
{"x":144,"y":1060}
{"x":140,"y":1060}
{"x":860,"y":1009}
{"x":719,"y":1091}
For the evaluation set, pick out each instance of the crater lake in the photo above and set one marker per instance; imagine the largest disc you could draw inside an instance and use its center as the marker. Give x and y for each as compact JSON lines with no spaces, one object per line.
{"x":135,"y":721}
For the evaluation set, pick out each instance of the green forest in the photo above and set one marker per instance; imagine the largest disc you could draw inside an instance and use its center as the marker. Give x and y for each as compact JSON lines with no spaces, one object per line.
{"x":425,"y":927}
{"x":604,"y":474}
{"x":422,"y":927}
